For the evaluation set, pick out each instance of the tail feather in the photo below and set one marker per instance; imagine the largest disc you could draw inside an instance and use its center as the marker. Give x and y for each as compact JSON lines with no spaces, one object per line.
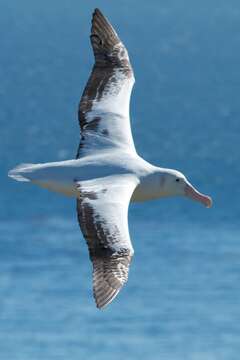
{"x":19,"y":172}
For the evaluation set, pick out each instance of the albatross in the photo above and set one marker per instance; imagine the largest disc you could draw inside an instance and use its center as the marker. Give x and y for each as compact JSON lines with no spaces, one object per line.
{"x":107,"y":173}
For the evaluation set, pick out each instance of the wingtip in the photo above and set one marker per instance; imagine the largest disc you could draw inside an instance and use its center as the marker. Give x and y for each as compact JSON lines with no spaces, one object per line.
{"x":97,"y":13}
{"x":96,"y":10}
{"x":103,"y":36}
{"x":103,"y":303}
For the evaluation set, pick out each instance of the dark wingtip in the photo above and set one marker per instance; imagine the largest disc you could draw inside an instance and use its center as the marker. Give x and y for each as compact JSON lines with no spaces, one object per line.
{"x":97,"y":10}
{"x":103,"y":36}
{"x":102,"y":303}
{"x":97,"y":14}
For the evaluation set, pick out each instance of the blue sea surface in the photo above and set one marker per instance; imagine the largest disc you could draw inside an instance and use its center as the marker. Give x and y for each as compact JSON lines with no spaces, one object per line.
{"x":182,"y":300}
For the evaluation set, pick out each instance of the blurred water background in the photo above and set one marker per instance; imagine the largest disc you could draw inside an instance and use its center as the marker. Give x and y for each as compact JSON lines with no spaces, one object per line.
{"x":182,"y":300}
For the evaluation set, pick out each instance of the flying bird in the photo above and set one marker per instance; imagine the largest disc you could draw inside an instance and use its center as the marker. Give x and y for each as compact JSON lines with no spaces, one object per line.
{"x":107,"y":173}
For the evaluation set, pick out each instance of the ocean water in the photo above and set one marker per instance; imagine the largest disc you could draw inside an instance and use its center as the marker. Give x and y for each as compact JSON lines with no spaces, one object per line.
{"x":182,"y":298}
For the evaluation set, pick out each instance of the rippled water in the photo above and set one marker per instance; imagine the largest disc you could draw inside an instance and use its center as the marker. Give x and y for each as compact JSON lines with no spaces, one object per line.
{"x":182,"y":298}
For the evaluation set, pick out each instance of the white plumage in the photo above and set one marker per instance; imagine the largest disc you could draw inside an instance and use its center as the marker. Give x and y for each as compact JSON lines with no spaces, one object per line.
{"x":108,"y":173}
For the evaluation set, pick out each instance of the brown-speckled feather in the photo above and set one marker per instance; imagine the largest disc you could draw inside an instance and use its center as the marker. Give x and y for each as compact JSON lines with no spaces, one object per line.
{"x":111,"y":77}
{"x":102,"y":209}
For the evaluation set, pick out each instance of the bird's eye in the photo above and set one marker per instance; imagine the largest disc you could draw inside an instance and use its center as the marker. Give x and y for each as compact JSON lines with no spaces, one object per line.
{"x":177,"y":180}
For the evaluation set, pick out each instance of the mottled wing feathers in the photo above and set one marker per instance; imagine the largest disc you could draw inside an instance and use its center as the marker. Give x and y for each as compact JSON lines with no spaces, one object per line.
{"x":104,"y":106}
{"x":107,"y":47}
{"x":102,"y":209}
{"x":109,"y":275}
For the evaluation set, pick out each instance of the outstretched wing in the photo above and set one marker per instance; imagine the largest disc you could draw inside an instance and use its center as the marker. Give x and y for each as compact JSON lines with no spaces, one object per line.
{"x":104,"y":107}
{"x":102,"y":209}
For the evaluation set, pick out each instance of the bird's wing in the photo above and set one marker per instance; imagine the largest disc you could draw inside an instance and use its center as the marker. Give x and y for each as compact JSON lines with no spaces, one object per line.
{"x":104,"y":106}
{"x":102,"y":208}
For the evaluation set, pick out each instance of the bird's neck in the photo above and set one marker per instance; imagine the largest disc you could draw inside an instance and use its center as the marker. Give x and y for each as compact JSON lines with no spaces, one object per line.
{"x":149,"y":187}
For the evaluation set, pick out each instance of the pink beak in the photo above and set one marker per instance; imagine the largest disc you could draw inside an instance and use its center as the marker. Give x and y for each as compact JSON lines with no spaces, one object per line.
{"x":195,"y":195}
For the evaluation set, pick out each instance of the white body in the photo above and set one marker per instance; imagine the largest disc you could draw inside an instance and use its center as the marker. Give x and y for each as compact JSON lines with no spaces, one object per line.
{"x":62,"y":176}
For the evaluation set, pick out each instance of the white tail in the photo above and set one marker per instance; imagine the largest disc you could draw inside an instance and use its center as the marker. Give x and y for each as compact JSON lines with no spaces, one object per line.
{"x":20,"y":171}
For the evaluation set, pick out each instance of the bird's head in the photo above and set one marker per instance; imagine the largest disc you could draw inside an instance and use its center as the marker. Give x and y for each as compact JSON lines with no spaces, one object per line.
{"x":174,"y":183}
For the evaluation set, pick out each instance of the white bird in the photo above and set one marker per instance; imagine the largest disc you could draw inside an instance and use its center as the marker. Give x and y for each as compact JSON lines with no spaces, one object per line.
{"x":107,"y":173}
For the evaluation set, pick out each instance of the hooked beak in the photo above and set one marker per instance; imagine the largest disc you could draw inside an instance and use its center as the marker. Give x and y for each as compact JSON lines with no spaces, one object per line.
{"x":196,"y":195}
